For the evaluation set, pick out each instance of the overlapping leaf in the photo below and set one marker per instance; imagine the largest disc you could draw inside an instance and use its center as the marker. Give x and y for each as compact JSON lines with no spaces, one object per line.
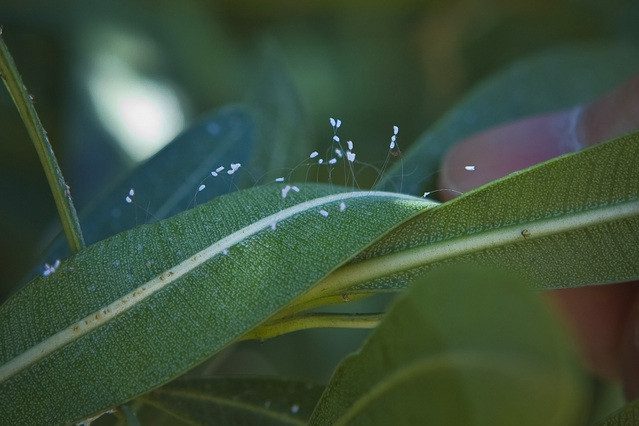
{"x":135,"y":310}
{"x":571,"y":221}
{"x":459,"y":348}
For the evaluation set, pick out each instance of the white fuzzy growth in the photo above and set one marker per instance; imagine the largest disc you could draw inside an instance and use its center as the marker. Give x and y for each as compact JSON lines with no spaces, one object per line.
{"x":350,"y":156}
{"x":313,"y":154}
{"x":349,"y":144}
{"x":332,"y":161}
{"x":395,"y":130}
{"x":285,"y":191}
{"x":342,"y":206}
{"x":201,"y":188}
{"x":336,"y":138}
{"x":279,"y":179}
{"x":470,"y":167}
{"x":128,"y":199}
{"x":323,"y":213}
{"x":50,"y":269}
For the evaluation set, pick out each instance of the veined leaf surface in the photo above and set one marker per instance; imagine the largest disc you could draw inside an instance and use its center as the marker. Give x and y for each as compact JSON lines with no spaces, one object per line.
{"x":569,"y":222}
{"x":135,"y":310}
{"x":461,"y":348}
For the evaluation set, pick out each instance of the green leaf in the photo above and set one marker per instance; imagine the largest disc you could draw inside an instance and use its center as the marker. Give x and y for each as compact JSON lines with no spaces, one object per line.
{"x":236,"y":400}
{"x":133,"y":311}
{"x":549,"y":81}
{"x":459,"y":348}
{"x":628,"y":415}
{"x":283,"y":137}
{"x":568,"y":222}
{"x":166,"y":184}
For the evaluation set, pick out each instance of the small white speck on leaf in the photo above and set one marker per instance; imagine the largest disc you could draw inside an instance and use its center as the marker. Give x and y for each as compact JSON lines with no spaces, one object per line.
{"x":323,"y":213}
{"x":395,"y":130}
{"x":342,"y":206}
{"x":279,"y":179}
{"x":295,"y":408}
{"x":313,"y":154}
{"x":201,"y":188}
{"x":332,"y":161}
{"x":336,"y":138}
{"x":470,"y":167}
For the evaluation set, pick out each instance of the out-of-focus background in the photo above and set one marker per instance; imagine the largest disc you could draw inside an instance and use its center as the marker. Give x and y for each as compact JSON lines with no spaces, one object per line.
{"x":114,"y":81}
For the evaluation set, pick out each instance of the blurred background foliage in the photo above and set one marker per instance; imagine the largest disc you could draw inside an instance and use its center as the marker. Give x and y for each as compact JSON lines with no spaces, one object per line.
{"x":114,"y":81}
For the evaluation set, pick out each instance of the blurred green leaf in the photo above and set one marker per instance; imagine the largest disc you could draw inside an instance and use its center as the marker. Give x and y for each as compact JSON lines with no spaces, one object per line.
{"x":571,"y":221}
{"x":628,"y":415}
{"x":552,"y":80}
{"x":283,"y":139}
{"x":136,"y":310}
{"x":167,"y":183}
{"x":459,"y":348}
{"x":226,"y":400}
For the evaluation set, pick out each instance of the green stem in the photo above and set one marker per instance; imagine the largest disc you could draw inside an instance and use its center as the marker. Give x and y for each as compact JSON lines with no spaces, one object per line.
{"x":38,"y":135}
{"x":314,"y":320}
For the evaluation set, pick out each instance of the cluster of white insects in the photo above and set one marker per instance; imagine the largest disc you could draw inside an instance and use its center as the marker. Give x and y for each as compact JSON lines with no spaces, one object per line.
{"x":335,"y":154}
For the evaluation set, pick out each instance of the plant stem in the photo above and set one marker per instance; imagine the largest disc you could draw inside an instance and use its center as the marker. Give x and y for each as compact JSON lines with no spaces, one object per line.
{"x":314,"y":320}
{"x":59,"y":188}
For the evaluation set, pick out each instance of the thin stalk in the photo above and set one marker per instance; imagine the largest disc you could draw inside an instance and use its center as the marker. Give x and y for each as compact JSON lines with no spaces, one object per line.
{"x":60,"y":190}
{"x":314,"y":320}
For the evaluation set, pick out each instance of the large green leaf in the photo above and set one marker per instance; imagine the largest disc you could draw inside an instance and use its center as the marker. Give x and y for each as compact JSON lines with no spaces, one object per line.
{"x":459,"y":348}
{"x":549,"y":81}
{"x":571,"y":221}
{"x":230,"y":401}
{"x":135,"y":310}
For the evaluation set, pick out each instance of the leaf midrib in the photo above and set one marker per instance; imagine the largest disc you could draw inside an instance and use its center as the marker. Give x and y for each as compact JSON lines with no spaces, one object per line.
{"x":106,"y":313}
{"x":386,"y":265}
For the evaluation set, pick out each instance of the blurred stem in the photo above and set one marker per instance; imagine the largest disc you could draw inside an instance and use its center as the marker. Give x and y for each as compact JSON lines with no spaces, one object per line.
{"x":314,"y":320}
{"x":38,"y":135}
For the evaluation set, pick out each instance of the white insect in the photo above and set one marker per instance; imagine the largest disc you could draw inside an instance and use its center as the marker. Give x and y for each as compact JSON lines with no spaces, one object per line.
{"x":338,"y":123}
{"x":50,"y":269}
{"x":332,"y":161}
{"x":470,"y":167}
{"x":279,"y":179}
{"x":350,"y":156}
{"x":128,"y":199}
{"x":427,"y":193}
{"x":313,"y":154}
{"x":201,"y":188}
{"x":219,"y":169}
{"x":214,"y":174}
{"x":395,"y":130}
{"x":349,"y":144}
{"x":323,"y":213}
{"x":342,"y":206}
{"x":131,"y":192}
{"x":336,"y":138}
{"x":285,"y":191}
{"x":332,"y":121}
{"x":295,"y":188}
{"x":338,"y":152}
{"x":320,"y":161}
